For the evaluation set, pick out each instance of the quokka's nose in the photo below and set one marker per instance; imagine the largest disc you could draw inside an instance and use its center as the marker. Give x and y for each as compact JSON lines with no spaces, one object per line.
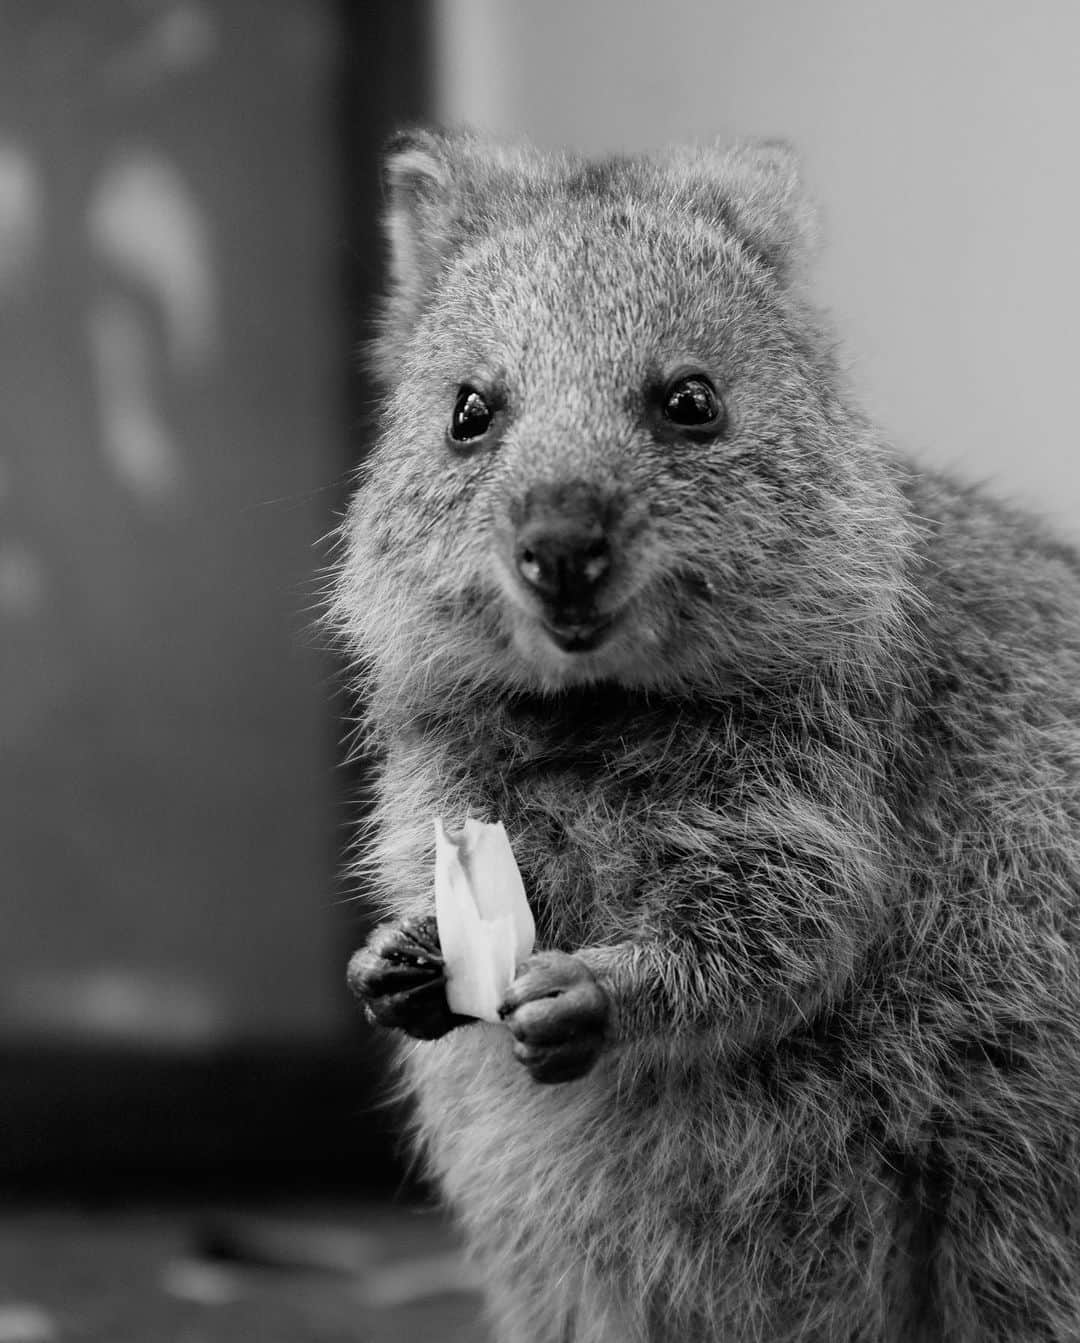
{"x":563,"y":559}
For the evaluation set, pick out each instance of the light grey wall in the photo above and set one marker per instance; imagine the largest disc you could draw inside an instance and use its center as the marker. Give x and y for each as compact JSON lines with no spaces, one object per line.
{"x":940,"y":138}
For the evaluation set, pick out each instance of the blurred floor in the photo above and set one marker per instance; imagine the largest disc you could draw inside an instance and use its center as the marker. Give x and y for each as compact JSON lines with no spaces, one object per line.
{"x":213,"y":1275}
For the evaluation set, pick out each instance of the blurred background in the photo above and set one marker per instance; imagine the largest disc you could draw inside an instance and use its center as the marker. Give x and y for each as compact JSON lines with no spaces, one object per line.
{"x":194,"y":1139}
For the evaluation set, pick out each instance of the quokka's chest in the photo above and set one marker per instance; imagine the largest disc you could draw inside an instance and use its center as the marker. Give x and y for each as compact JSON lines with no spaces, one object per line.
{"x":597,"y":831}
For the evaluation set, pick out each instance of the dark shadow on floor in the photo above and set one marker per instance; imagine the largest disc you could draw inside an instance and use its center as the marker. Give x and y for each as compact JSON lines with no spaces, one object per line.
{"x":291,"y":1273}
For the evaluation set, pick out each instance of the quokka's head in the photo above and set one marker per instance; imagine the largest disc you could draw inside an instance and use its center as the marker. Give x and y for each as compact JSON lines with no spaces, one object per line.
{"x":611,"y":449}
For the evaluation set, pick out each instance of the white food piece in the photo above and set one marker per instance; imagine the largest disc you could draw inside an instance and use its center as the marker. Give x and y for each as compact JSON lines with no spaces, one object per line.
{"x":486,"y":927}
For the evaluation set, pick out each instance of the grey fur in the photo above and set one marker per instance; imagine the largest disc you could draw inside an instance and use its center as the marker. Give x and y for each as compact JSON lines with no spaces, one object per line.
{"x":810,"y":816}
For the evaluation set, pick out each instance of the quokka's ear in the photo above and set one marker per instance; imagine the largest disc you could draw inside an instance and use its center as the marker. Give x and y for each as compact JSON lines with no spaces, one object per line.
{"x":442,"y":190}
{"x":418,"y":182}
{"x":421,"y":208}
{"x":756,"y":190}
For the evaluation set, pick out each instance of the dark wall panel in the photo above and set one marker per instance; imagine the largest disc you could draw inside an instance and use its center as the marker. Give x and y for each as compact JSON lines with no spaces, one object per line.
{"x":172,"y":411}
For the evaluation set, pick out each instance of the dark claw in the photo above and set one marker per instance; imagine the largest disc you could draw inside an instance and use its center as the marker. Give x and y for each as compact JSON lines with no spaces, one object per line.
{"x":398,"y":976}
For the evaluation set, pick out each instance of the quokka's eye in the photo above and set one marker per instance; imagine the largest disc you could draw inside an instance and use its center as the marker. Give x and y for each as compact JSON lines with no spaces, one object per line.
{"x":472,"y":416}
{"x":692,"y":403}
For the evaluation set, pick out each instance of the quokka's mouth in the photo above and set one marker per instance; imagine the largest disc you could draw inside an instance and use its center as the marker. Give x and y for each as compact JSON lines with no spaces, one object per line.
{"x":579,"y":636}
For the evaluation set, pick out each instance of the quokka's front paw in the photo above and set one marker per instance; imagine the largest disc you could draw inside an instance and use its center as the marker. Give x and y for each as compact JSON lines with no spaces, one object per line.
{"x":399,"y":977}
{"x":557,"y":1013}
